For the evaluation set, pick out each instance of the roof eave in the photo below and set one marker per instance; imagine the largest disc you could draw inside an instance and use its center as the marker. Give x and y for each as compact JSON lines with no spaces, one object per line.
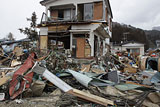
{"x":44,"y":2}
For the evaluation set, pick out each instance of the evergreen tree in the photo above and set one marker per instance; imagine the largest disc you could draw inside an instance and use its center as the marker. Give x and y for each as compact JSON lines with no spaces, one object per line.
{"x":10,"y":37}
{"x":31,"y":31}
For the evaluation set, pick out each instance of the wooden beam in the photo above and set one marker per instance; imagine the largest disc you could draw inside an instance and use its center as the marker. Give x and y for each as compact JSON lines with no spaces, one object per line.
{"x":4,"y":80}
{"x":91,"y":97}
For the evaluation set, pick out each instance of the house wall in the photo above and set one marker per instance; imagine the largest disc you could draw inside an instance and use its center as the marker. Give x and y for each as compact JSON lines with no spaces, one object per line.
{"x":91,"y":42}
{"x":135,"y":47}
{"x":104,"y":42}
{"x":77,"y":29}
{"x":98,"y":11}
{"x":106,"y":14}
{"x":43,"y":30}
{"x":115,"y":49}
{"x":87,"y":29}
{"x":91,"y":30}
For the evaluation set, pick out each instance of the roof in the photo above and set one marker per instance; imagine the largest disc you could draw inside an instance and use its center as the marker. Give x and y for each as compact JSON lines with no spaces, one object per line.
{"x":45,"y":1}
{"x":133,"y":44}
{"x":127,"y":43}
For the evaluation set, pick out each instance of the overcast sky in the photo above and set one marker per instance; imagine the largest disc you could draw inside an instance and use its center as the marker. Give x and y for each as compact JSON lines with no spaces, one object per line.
{"x":13,"y":14}
{"x":139,"y":13}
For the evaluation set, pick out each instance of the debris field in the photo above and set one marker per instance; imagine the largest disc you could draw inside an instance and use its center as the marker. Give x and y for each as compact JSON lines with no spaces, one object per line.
{"x":32,"y":78}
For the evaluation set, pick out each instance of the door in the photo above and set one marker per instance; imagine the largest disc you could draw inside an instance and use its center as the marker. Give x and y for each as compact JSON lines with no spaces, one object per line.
{"x":80,"y":48}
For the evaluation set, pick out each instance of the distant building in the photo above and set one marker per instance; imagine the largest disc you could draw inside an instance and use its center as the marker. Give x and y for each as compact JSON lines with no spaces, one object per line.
{"x":158,"y":43}
{"x":131,"y":47}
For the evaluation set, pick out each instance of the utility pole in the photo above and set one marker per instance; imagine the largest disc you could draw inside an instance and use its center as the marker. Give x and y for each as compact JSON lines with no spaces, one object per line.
{"x":125,"y":36}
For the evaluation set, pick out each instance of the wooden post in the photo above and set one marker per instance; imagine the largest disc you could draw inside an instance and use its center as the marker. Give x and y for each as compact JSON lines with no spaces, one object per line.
{"x":43,"y":43}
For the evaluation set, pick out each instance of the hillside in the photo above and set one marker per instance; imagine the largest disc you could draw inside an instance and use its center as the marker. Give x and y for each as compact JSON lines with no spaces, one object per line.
{"x":123,"y":32}
{"x":153,"y":35}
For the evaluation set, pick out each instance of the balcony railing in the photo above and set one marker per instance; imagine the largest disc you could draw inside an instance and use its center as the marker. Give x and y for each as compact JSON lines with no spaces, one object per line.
{"x":46,"y":19}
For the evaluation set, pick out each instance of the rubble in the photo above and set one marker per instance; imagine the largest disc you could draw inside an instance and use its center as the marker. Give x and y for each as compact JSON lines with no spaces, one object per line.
{"x":60,"y":80}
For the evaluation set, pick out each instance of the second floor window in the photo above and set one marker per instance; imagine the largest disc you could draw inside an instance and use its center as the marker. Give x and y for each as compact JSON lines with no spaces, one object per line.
{"x":67,"y":14}
{"x":88,"y":11}
{"x":85,"y":12}
{"x":64,"y":14}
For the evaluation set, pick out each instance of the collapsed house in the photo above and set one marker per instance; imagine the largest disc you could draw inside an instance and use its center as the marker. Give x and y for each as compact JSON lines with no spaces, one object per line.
{"x":82,"y":26}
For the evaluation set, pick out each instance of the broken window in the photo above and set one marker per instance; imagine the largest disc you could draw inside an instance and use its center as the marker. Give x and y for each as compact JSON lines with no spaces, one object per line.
{"x":85,"y":12}
{"x":88,"y":11}
{"x":64,"y":14}
{"x":60,"y":14}
{"x":67,"y":14}
{"x":80,"y":12}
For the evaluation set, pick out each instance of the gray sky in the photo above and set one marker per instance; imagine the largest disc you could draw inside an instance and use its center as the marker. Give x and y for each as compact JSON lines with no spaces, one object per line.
{"x":13,"y":14}
{"x":139,"y":13}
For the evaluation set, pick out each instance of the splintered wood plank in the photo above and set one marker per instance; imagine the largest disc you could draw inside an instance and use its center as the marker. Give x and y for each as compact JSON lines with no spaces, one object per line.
{"x":91,"y":97}
{"x":130,"y":69}
{"x":68,"y":89}
{"x":4,"y":80}
{"x":85,"y":68}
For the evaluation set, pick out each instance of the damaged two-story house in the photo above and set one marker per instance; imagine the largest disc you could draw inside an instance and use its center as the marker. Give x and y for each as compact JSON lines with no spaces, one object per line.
{"x":82,"y":26}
